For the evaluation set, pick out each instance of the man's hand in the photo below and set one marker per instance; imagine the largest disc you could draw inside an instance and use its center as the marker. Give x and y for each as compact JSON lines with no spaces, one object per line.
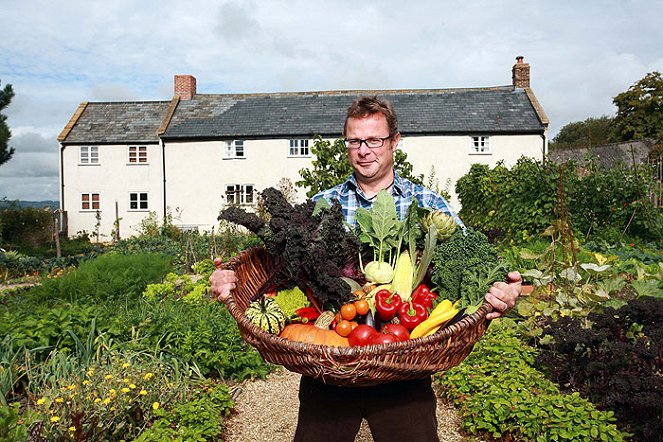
{"x":222,"y":282}
{"x":503,"y":295}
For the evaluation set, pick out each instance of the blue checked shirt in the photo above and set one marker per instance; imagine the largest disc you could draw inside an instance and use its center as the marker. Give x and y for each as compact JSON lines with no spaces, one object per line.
{"x":351,"y":197}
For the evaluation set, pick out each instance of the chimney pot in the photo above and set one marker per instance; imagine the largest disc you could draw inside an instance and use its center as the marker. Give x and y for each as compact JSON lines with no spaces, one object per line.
{"x":185,"y":86}
{"x":520,"y":73}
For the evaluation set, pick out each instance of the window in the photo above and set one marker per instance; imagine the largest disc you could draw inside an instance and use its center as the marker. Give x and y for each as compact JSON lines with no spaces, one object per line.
{"x":239,"y":194}
{"x":235,"y":149}
{"x":480,"y":145}
{"x":137,"y":154}
{"x":89,"y":155}
{"x":138,"y":201}
{"x":299,"y":148}
{"x":89,"y":201}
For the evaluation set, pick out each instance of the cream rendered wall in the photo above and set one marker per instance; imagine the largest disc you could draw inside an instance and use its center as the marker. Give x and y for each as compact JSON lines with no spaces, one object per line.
{"x":197,"y":174}
{"x":113,"y":178}
{"x":451,"y":158}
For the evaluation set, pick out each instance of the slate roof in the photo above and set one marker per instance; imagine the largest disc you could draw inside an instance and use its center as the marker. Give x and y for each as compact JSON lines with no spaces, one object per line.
{"x":118,"y":122}
{"x":496,"y":110}
{"x":444,"y":111}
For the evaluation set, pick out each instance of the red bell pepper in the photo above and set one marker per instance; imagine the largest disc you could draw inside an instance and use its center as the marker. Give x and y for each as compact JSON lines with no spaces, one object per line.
{"x":424,"y":296}
{"x":387,"y":304}
{"x":412,"y":314}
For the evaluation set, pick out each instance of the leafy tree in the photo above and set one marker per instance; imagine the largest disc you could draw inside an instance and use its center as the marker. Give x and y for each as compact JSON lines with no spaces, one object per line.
{"x":6,"y":96}
{"x":331,"y":166}
{"x":587,"y":133}
{"x":640,"y":109}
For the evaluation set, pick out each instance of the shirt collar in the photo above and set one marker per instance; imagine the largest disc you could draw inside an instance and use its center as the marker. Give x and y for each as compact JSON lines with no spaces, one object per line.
{"x":351,"y":183}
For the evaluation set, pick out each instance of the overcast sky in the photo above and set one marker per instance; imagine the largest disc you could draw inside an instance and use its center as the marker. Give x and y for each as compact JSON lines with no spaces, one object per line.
{"x":57,"y":54}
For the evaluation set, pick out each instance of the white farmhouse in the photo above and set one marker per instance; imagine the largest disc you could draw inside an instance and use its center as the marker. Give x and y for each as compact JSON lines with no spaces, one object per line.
{"x":198,"y":152}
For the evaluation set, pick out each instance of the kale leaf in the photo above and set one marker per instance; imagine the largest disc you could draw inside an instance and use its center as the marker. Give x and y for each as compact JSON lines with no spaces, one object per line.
{"x":465,"y":266}
{"x":309,"y":251}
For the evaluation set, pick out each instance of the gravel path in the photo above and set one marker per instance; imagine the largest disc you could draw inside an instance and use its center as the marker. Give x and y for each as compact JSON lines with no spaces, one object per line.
{"x":266,"y":411}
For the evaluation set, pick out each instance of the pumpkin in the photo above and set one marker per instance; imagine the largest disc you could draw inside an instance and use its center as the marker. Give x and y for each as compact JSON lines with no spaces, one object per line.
{"x":310,"y":334}
{"x":267,"y":315}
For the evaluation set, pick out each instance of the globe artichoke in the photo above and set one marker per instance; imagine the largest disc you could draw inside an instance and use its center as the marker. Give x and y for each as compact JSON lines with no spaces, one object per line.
{"x":444,"y":224}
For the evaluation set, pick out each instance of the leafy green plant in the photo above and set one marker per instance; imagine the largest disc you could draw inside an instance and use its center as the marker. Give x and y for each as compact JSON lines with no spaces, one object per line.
{"x":498,"y":391}
{"x":11,"y":429}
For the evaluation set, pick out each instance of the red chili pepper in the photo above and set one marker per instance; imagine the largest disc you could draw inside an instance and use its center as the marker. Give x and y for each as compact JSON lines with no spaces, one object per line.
{"x":387,"y":304}
{"x":422,"y":295}
{"x":307,"y":314}
{"x":412,"y":314}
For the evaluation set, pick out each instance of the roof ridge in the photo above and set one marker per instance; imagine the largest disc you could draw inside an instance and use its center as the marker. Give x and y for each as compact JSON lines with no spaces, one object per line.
{"x":358,"y":91}
{"x":130,"y":102}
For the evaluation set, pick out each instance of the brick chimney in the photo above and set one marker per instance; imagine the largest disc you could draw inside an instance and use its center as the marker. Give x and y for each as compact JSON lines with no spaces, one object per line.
{"x":520,"y":73}
{"x":185,"y":86}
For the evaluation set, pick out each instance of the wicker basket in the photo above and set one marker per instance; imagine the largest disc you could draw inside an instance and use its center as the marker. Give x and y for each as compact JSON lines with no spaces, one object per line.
{"x":349,"y":366}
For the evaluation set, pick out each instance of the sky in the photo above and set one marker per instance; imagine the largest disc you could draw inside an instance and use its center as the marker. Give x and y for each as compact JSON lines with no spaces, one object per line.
{"x":58,"y":54}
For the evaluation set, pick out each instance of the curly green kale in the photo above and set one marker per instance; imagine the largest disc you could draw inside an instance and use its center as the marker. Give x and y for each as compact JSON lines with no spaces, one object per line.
{"x":465,"y":266}
{"x":310,"y":250}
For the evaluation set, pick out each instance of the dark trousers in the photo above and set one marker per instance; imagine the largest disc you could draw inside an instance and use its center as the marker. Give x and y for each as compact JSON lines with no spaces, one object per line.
{"x":397,"y":411}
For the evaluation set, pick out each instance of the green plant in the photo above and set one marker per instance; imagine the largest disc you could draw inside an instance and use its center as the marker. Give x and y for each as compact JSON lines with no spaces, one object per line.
{"x":11,"y":427}
{"x":498,"y":391}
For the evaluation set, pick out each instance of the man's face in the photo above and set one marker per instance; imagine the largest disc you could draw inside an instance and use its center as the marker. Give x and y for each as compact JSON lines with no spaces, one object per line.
{"x":371,"y":165}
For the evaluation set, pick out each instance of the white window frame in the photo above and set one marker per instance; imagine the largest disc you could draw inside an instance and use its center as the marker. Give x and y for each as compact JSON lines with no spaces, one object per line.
{"x":88,"y":198}
{"x":137,"y":155}
{"x":299,"y":148}
{"x":480,"y":145}
{"x":234,"y":149}
{"x":88,"y":155}
{"x":137,"y":198}
{"x":245,"y":192}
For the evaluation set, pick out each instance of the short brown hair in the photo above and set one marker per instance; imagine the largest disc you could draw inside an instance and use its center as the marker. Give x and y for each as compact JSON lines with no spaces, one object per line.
{"x":363,"y":107}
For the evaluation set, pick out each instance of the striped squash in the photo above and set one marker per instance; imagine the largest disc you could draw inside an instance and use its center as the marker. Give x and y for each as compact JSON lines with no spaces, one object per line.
{"x":266,"y":314}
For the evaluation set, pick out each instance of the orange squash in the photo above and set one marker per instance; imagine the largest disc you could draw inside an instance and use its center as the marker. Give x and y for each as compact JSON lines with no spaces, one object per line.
{"x":311,"y":334}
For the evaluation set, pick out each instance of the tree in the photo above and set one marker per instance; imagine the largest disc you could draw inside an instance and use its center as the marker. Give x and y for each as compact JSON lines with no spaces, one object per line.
{"x":6,"y":153}
{"x":331,"y":166}
{"x":587,"y":133}
{"x":640,"y":109}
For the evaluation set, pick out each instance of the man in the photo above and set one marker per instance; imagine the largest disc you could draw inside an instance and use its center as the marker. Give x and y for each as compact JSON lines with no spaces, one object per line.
{"x":399,"y":410}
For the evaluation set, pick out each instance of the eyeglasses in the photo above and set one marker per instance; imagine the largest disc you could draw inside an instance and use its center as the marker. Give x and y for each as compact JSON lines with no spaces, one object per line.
{"x":371,"y":143}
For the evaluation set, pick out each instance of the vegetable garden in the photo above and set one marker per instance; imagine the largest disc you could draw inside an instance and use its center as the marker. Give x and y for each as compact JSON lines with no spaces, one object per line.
{"x":122,"y":343}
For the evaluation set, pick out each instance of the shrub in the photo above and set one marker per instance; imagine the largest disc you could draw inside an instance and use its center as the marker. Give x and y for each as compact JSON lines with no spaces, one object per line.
{"x":500,"y":392}
{"x":105,"y":279}
{"x":25,"y":226}
{"x":616,"y":359}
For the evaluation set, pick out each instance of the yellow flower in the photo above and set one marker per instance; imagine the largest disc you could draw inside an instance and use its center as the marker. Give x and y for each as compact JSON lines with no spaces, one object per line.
{"x":143,"y":392}
{"x":132,"y":386}
{"x":59,"y":400}
{"x":97,"y":400}
{"x":125,"y":365}
{"x":155,"y":406}
{"x":125,"y":380}
{"x":86,"y":382}
{"x":72,"y":429}
{"x":112,"y":391}
{"x":107,"y":401}
{"x":108,"y":377}
{"x":90,"y":372}
{"x":148,"y":376}
{"x":55,"y":419}
{"x":41,"y":401}
{"x":125,"y":390}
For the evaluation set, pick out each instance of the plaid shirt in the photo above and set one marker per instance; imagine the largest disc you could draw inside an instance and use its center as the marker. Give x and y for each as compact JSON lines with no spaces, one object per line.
{"x":351,"y":197}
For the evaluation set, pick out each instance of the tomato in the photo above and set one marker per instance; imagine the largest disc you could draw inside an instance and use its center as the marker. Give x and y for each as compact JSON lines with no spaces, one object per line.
{"x":218,"y":262}
{"x":348,"y":311}
{"x":398,"y":330}
{"x":354,"y":324}
{"x":361,"y":335}
{"x":383,"y":338}
{"x":361,"y":306}
{"x":343,"y":328}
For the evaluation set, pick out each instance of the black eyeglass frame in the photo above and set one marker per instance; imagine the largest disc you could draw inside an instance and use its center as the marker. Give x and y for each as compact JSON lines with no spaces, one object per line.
{"x":366,"y":141}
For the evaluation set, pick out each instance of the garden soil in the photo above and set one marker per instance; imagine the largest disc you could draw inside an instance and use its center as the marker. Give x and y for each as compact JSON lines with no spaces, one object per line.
{"x":266,"y":411}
